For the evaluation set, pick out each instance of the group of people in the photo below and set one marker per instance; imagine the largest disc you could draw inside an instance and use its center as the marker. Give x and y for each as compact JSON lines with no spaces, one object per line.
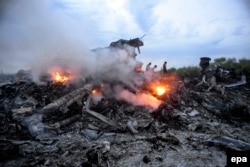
{"x":150,"y":70}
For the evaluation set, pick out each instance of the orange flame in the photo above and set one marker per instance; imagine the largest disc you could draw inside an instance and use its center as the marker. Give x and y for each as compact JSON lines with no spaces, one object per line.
{"x":160,"y":90}
{"x":60,"y":75}
{"x":141,"y":99}
{"x":60,"y":78}
{"x":163,"y":85}
{"x":95,"y":91}
{"x":98,"y":89}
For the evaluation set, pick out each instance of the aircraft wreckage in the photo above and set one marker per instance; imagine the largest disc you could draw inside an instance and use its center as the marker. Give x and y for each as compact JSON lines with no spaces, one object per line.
{"x":114,"y":122}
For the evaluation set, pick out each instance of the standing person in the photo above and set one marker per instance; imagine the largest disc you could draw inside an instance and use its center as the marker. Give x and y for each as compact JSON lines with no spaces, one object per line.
{"x":155,"y":66}
{"x":165,"y":71}
{"x":148,"y":66}
{"x":150,"y":73}
{"x":153,"y":75}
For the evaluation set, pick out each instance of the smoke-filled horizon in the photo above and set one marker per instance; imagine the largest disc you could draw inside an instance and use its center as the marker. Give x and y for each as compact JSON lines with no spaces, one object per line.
{"x":35,"y":35}
{"x":180,"y":37}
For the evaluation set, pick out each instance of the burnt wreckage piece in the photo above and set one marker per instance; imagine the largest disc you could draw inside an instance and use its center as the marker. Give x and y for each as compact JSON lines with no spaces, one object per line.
{"x":35,"y":122}
{"x":204,"y":64}
{"x":136,"y":42}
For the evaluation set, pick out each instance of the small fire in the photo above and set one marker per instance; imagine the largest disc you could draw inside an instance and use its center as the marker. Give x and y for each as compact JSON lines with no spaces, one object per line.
{"x":98,"y":89}
{"x":160,"y":90}
{"x":61,"y":78}
{"x":59,"y":75}
{"x":95,"y":91}
{"x":162,"y":85}
{"x":141,"y":99}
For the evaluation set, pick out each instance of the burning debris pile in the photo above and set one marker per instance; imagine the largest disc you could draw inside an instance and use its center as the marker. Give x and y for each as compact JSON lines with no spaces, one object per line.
{"x":108,"y":120}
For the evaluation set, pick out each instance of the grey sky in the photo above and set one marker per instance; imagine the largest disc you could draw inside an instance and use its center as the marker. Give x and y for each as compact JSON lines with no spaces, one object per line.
{"x":179,"y":31}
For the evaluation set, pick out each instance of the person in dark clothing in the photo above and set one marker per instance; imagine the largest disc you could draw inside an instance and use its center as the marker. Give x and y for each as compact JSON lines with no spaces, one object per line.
{"x":165,"y":71}
{"x":148,"y":66}
{"x":155,"y":66}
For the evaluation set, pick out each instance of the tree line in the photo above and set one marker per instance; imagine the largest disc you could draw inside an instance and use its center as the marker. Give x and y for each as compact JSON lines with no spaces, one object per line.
{"x":240,"y":66}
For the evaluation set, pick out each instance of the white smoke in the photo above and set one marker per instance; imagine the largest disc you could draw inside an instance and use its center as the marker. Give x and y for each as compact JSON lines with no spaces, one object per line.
{"x":140,"y":99}
{"x":37,"y":35}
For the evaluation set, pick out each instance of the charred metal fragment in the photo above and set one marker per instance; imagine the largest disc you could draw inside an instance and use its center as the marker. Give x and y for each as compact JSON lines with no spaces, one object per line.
{"x":65,"y":101}
{"x":229,"y":143}
{"x":66,"y":121}
{"x":99,"y":116}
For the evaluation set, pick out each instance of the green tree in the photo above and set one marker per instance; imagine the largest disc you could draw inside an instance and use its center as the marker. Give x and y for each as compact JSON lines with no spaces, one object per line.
{"x":190,"y":71}
{"x":244,"y":65}
{"x":220,"y":61}
{"x":172,"y":70}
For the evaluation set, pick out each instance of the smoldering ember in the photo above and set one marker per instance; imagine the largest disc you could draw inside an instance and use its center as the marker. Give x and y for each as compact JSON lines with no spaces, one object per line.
{"x":120,"y":115}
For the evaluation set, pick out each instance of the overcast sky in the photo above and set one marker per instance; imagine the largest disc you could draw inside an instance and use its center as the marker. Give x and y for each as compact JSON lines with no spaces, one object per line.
{"x":177,"y":31}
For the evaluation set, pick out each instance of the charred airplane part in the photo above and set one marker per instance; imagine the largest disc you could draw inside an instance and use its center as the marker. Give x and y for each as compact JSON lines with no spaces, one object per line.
{"x":122,"y":43}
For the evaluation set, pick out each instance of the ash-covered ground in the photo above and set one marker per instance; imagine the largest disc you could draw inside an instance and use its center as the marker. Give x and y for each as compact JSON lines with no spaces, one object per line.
{"x":191,"y":126}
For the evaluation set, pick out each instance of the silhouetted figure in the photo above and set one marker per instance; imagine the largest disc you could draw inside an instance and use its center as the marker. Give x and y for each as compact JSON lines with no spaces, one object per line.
{"x":155,"y":66}
{"x":148,"y":66}
{"x":165,"y":71}
{"x":149,"y":74}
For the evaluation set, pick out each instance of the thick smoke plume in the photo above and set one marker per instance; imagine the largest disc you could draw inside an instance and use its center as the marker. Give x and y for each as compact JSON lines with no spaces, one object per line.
{"x":142,"y":99}
{"x":39,"y":36}
{"x":36,"y":35}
